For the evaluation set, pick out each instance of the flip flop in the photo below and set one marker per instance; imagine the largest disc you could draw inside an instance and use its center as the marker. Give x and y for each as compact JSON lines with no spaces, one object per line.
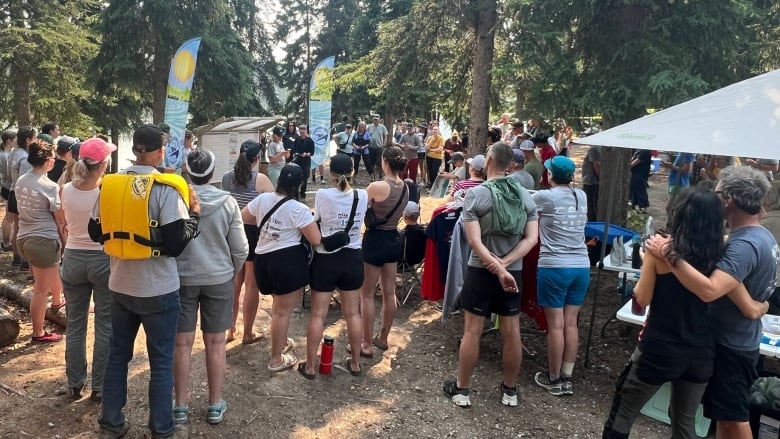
{"x":47,"y":338}
{"x":302,"y":370}
{"x":254,"y":339}
{"x":288,"y":361}
{"x":378,"y":344}
{"x":354,"y":373}
{"x":362,"y":354}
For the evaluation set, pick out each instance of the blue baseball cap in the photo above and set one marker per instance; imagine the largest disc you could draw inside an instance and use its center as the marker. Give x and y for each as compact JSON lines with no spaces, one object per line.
{"x":560,"y":167}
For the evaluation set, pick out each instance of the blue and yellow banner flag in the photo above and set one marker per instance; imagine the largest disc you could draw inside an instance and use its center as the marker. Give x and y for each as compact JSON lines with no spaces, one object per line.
{"x":177,"y":102}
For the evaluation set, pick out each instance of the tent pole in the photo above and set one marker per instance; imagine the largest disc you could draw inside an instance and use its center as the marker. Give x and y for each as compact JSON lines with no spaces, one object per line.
{"x":604,"y":242}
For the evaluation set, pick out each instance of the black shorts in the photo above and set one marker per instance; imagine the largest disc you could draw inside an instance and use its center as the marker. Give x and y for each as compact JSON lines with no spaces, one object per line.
{"x":381,"y":247}
{"x":252,"y":236}
{"x":282,"y":271}
{"x":656,"y":369}
{"x":482,"y":294}
{"x":726,"y":397}
{"x":342,"y":270}
{"x":5,"y":193}
{"x":421,"y":156}
{"x":12,"y":207}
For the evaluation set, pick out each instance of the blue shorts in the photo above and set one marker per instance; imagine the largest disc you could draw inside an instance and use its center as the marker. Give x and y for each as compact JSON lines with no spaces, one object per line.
{"x":557,"y":287}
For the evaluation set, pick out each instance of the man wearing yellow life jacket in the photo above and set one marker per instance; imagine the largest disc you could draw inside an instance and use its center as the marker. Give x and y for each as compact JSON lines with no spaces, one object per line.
{"x":144,"y":219}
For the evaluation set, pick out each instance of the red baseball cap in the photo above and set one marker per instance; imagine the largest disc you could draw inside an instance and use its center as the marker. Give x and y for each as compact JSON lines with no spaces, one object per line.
{"x":96,"y":149}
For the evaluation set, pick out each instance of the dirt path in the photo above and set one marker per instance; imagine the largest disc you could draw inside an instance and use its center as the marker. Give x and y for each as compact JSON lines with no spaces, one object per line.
{"x":399,"y":395}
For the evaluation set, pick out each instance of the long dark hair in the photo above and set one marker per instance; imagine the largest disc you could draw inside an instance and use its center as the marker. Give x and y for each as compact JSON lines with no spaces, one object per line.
{"x":242,"y":170}
{"x":697,"y":229}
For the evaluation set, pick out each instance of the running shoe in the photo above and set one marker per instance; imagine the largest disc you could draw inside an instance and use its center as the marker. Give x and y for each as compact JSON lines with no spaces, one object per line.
{"x":553,"y":387}
{"x":216,"y":412}
{"x":566,"y":386}
{"x":460,"y":397}
{"x":508,"y":395}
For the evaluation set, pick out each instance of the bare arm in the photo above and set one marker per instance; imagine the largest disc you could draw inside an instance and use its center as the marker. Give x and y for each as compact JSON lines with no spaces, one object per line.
{"x":750,"y":308}
{"x":644,"y":289}
{"x":263,"y":184}
{"x":247,"y":217}
{"x":474,"y":237}
{"x":596,"y":167}
{"x":312,"y":233}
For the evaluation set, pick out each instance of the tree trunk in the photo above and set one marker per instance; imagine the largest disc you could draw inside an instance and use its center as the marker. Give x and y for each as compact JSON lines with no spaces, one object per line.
{"x":9,"y":328}
{"x":484,"y":24}
{"x":19,"y":73}
{"x":159,"y":87}
{"x":23,"y":296}
{"x":115,"y":154}
{"x":615,"y":172}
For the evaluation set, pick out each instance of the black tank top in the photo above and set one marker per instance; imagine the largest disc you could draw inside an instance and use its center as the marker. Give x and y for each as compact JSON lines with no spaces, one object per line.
{"x":678,"y":323}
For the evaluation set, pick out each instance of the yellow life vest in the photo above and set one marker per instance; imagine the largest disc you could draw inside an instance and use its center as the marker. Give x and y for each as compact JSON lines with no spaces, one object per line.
{"x":128,"y":232}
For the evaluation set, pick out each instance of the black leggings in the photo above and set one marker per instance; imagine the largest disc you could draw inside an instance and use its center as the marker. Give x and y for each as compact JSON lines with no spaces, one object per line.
{"x":366,"y":161}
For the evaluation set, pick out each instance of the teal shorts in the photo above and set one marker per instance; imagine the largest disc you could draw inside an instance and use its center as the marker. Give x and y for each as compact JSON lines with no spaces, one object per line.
{"x":557,"y":287}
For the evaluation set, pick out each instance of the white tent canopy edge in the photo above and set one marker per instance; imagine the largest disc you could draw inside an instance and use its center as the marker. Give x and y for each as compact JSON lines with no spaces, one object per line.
{"x":741,"y":119}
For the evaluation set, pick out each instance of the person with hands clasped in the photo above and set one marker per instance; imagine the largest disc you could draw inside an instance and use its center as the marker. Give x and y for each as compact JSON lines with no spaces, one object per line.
{"x":144,"y":219}
{"x":751,"y":256}
{"x":336,"y":265}
{"x":434,"y":153}
{"x":280,"y":259}
{"x":500,"y":222}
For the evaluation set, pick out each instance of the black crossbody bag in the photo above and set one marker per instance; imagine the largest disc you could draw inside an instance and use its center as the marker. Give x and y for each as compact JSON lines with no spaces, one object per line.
{"x":371,"y":221}
{"x":341,"y":238}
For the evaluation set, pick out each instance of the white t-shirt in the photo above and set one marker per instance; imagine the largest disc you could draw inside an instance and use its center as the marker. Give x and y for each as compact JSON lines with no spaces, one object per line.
{"x":78,"y":205}
{"x":283,"y":228}
{"x":332,"y":208}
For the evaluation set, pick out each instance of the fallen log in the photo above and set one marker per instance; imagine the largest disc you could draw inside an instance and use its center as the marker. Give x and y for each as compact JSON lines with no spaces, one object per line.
{"x":9,"y":328}
{"x":22,"y":297}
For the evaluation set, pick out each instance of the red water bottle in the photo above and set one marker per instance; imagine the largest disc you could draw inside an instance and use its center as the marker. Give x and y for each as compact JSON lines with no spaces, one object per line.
{"x":326,"y":356}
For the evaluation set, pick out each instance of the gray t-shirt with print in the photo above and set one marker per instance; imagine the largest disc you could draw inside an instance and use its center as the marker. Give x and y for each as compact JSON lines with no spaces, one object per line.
{"x":37,"y":198}
{"x":477,"y":204}
{"x":378,"y":135}
{"x":154,"y":276}
{"x":751,"y":256}
{"x":562,"y":219}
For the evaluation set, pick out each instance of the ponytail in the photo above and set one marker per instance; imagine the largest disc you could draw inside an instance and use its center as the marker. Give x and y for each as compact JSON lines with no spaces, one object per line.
{"x":343,"y":183}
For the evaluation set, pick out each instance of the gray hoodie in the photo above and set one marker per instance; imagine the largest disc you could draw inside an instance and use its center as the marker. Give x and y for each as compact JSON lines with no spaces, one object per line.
{"x":221,"y":246}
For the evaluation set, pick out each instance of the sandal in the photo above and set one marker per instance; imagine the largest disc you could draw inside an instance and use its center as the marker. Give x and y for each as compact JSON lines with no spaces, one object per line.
{"x":288,"y":361}
{"x":362,"y":353}
{"x":353,"y":372}
{"x":253,"y":339}
{"x":56,"y":308}
{"x":302,"y":371}
{"x":47,"y":338}
{"x":290,"y":344}
{"x":379,"y":344}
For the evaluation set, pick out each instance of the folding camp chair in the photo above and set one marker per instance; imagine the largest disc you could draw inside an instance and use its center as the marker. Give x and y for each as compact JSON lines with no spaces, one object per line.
{"x":410,"y":265}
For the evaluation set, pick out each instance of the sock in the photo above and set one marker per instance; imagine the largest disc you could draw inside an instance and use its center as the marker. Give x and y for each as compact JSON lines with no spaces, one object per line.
{"x":567,"y":369}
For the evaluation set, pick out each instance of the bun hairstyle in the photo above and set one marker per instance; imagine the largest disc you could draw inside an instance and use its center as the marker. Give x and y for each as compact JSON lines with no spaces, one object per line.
{"x":39,"y":152}
{"x":394,"y":156}
{"x":8,"y":136}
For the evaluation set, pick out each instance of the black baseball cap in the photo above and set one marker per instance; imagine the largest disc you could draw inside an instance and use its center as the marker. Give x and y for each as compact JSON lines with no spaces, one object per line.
{"x":147,"y":138}
{"x":341,"y":164}
{"x":291,"y":175}
{"x":251,"y":149}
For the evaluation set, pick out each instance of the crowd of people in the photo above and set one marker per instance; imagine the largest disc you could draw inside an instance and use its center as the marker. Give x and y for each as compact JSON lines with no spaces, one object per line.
{"x":145,"y":247}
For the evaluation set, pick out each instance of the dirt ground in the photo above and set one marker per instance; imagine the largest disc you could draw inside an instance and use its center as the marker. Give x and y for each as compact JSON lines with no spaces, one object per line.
{"x":399,"y":395}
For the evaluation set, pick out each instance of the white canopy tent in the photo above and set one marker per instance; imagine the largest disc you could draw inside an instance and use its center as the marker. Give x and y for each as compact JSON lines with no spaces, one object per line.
{"x":742,"y":119}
